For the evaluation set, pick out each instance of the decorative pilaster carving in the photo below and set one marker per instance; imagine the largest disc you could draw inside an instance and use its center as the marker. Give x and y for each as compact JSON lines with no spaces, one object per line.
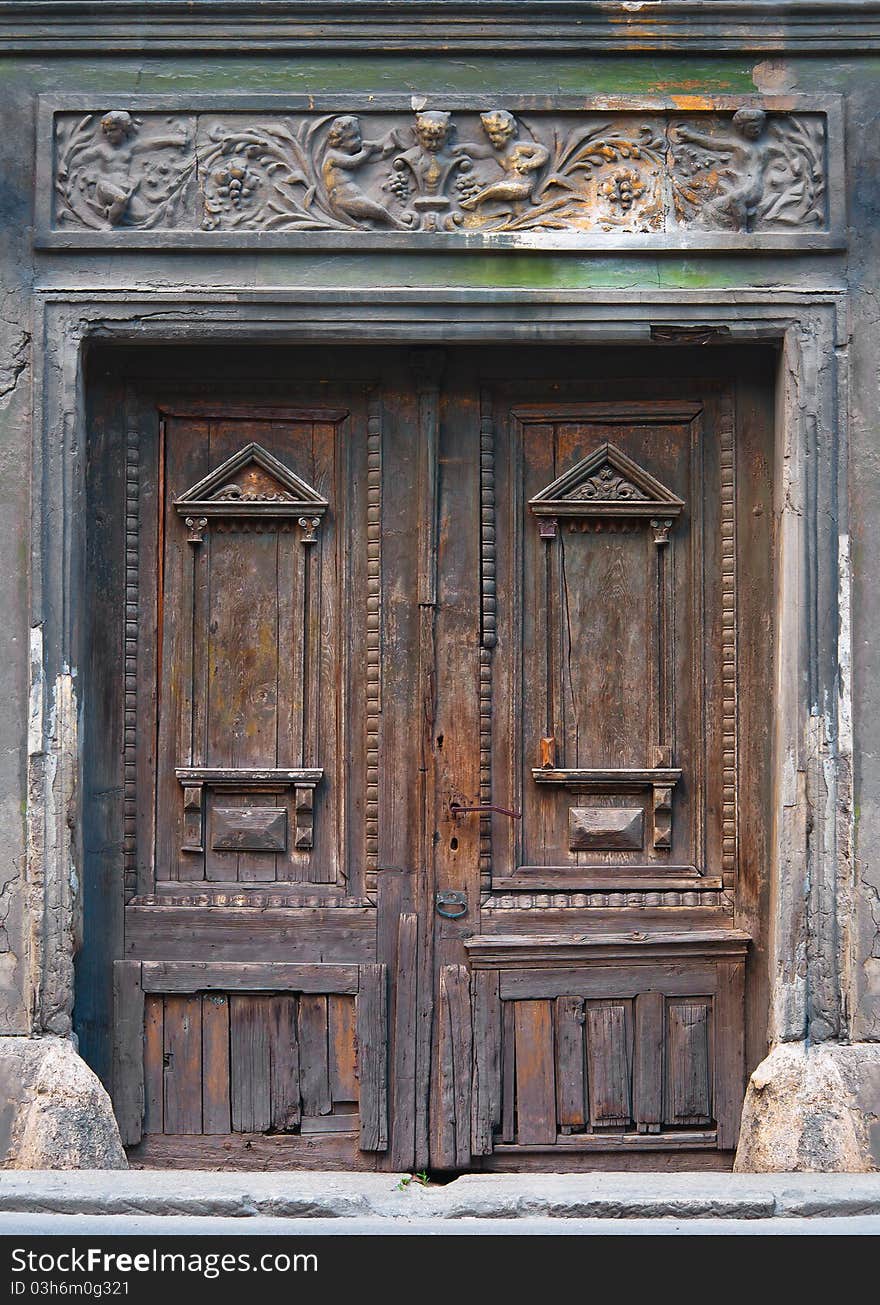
{"x":374,"y":636}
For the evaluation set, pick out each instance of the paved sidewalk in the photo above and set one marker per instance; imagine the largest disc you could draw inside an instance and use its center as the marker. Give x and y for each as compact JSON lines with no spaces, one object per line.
{"x":388,"y":1197}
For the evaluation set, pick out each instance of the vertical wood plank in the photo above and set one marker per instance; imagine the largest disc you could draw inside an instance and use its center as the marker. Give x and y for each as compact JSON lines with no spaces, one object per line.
{"x":648,"y":1062}
{"x":341,"y":1044}
{"x":608,"y":1058}
{"x":372,"y":1034}
{"x":314,"y":1065}
{"x":183,"y":1064}
{"x":216,"y":1111}
{"x":249,"y":1063}
{"x":508,"y":1071}
{"x":570,"y":1065}
{"x":729,"y":1047}
{"x":284,"y":1063}
{"x":486,"y":1111}
{"x":688,"y":1089}
{"x":404,"y":1092}
{"x":128,"y":1048}
{"x":455,"y":1056}
{"x":535,"y":1086}
{"x":154,"y":1061}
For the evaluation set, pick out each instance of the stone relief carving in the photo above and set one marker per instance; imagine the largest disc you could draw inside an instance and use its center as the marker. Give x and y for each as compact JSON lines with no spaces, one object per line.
{"x":114,"y":169}
{"x":437,"y":170}
{"x":755,"y":172}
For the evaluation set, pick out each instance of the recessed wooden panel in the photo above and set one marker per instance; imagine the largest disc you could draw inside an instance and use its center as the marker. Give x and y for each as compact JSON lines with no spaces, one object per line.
{"x":535,"y":1086}
{"x":605,"y":828}
{"x":610,"y":1062}
{"x":688,"y":1075}
{"x":183,"y":1064}
{"x":216,"y":1110}
{"x":570,"y":1065}
{"x":250,"y":829}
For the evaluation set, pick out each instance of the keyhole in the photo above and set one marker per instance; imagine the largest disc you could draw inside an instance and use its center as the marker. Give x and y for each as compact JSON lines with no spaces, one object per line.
{"x":454,"y":844}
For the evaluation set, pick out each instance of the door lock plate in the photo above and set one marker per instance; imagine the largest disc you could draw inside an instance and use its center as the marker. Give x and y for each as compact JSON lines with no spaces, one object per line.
{"x":451,"y":903}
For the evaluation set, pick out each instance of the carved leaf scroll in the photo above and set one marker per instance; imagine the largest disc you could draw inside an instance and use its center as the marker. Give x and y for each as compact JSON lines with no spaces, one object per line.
{"x":468,"y":171}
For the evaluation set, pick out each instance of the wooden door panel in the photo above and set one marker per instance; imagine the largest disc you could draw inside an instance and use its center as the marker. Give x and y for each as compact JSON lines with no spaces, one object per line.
{"x":609,"y":649}
{"x":213,"y":1053}
{"x":371,"y":616}
{"x":254,"y":648}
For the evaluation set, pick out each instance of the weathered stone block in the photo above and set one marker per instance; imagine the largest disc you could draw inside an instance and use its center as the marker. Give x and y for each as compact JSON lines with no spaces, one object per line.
{"x":813,"y":1109}
{"x":54,"y":1112}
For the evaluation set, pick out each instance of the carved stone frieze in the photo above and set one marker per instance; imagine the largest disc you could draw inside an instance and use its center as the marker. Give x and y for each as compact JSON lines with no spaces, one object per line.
{"x":521,"y":172}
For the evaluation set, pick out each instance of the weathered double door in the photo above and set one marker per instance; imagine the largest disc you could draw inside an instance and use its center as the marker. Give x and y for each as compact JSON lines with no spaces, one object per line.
{"x":430,"y":767}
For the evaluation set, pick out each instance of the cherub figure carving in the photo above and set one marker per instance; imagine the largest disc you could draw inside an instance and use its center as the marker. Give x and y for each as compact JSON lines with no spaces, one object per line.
{"x":521,"y":160}
{"x":428,"y":166}
{"x":108,"y":172}
{"x":345,"y":152}
{"x":741,"y":177}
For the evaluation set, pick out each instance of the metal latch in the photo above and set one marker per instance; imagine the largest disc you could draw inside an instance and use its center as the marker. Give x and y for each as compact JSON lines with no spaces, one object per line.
{"x":451,"y":903}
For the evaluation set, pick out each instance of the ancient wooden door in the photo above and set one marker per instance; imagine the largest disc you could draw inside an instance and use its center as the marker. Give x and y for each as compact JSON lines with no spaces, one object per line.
{"x":431,"y":771}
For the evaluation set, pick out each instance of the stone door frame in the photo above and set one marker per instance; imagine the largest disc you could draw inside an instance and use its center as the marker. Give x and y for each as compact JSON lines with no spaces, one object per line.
{"x":812,"y":926}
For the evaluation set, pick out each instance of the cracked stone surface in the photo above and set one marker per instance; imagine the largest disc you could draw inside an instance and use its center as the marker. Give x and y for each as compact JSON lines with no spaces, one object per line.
{"x":494,"y":1197}
{"x":54,"y":1113}
{"x":812,"y":1109}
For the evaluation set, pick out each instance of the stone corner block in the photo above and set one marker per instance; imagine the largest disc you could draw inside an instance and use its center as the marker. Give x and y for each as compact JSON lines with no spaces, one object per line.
{"x":813,"y":1109}
{"x":54,"y":1112}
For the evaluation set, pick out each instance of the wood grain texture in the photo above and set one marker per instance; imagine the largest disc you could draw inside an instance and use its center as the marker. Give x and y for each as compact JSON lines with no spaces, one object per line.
{"x":249,"y":1055}
{"x":128,"y":1057}
{"x":183,"y":1065}
{"x":405,"y":1013}
{"x":648,"y":1061}
{"x":609,"y":1060}
{"x":245,"y":976}
{"x":284,"y":1064}
{"x":372,"y":1035}
{"x":535,"y":1085}
{"x":154,"y":1063}
{"x":729,"y":1068}
{"x":688,"y":1077}
{"x":341,"y":1041}
{"x":314,"y":1056}
{"x":486,"y":1104}
{"x":571,"y":1112}
{"x":455,"y":1056}
{"x":216,"y":1109}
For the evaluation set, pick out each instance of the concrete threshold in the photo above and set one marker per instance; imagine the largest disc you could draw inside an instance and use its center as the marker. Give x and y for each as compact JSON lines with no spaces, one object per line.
{"x":305,"y":1195}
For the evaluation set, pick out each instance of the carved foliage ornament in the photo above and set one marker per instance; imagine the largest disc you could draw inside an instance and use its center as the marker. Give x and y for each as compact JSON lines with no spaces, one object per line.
{"x":495,"y":171}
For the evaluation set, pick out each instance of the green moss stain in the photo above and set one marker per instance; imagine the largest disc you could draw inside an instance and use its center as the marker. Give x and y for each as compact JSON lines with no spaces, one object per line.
{"x":419,"y":74}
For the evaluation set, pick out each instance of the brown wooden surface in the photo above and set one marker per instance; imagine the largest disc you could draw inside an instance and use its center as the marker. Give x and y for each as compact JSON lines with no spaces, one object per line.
{"x":648,"y":1064}
{"x":535,"y":1087}
{"x":455,"y":1066}
{"x":570,"y":1065}
{"x":128,"y":1059}
{"x":314,"y":1056}
{"x":216,"y":1114}
{"x":432,"y":648}
{"x":609,"y":1063}
{"x":183,"y":1065}
{"x":372,"y":1039}
{"x":486,"y":1106}
{"x":249,"y":1054}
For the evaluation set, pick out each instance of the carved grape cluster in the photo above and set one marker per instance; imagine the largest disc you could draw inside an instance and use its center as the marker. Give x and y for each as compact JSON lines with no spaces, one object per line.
{"x":622,"y":189}
{"x":235,"y":182}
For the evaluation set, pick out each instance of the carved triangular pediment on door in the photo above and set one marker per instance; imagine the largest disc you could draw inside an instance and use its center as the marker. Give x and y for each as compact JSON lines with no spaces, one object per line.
{"x":606,"y":483}
{"x":252,"y":483}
